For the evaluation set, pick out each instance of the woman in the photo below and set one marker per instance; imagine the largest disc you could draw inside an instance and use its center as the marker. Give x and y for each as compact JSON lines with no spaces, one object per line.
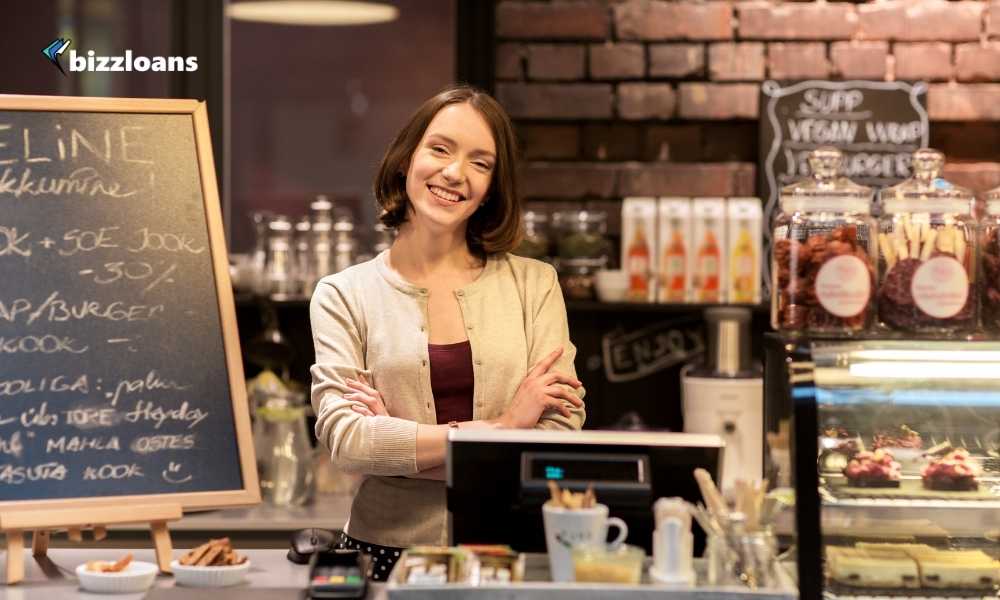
{"x":445,"y":329}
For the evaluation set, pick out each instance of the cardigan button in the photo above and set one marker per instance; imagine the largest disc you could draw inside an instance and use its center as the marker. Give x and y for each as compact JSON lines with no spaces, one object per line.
{"x":460,"y":293}
{"x":423,"y":362}
{"x":479,"y":362}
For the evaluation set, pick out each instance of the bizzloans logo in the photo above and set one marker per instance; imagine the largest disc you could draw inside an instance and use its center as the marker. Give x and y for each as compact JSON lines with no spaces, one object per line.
{"x":127,"y":63}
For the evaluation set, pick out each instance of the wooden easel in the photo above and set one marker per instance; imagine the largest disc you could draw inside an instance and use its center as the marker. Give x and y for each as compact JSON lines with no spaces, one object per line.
{"x":42,"y":522}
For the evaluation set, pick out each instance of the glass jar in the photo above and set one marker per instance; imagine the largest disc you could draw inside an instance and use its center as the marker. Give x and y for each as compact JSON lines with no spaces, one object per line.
{"x":284,"y":453}
{"x":383,"y":238}
{"x":536,"y":236}
{"x":258,"y":260}
{"x":989,"y":252}
{"x":927,"y":244}
{"x":577,"y":277}
{"x":582,"y":234}
{"x":321,"y":210}
{"x":281,"y":277}
{"x":303,"y":255}
{"x":823,"y":253}
{"x":344,"y":247}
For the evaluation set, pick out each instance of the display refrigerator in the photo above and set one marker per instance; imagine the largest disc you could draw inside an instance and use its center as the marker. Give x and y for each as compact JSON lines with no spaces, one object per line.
{"x":895,"y":464}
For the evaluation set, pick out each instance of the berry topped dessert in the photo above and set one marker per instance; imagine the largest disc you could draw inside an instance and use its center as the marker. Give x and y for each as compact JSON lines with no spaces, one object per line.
{"x":952,"y":472}
{"x":873,"y":469}
{"x":903,"y":438}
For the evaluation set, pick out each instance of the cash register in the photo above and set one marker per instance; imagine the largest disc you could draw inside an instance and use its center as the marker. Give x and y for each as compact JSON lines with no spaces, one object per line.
{"x":497,"y":480}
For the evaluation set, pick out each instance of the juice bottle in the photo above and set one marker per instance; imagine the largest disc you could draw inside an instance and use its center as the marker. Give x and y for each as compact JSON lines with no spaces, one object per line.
{"x":674,"y":260}
{"x":708,"y":267}
{"x":638,"y":265}
{"x":743,"y":261}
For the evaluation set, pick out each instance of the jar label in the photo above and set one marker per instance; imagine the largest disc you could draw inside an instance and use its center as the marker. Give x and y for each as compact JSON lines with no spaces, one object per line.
{"x":844,"y":286}
{"x":940,"y":287}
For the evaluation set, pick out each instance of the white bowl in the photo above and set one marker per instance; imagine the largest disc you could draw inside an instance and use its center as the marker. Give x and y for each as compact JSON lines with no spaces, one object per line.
{"x":209,"y":576}
{"x":136,"y":577}
{"x":612,"y":286}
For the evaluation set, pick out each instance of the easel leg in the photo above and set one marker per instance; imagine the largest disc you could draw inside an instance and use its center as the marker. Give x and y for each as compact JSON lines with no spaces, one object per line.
{"x":15,"y":556}
{"x":39,"y":542}
{"x":164,"y":549}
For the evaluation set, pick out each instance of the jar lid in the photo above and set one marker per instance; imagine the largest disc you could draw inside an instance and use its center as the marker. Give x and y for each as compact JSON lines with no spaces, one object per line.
{"x":926,"y":191}
{"x":826,"y":189}
{"x":280,"y":223}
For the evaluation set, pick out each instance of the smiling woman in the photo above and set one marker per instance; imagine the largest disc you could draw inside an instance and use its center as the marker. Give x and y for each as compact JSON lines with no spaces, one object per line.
{"x":445,"y":329}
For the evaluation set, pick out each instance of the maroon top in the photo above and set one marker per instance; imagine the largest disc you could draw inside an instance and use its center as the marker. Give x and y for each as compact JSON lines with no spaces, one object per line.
{"x":452,"y":381}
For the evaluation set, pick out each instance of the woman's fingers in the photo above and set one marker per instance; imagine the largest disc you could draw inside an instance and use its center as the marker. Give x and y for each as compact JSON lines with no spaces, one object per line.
{"x":557,"y":377}
{"x":556,"y":391}
{"x":357,"y":385}
{"x":362,"y":410}
{"x":546,"y":363}
{"x":559,"y":407}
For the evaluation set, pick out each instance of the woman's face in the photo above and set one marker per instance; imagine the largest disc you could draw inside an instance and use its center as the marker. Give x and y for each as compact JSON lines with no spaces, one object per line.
{"x":451,"y":169}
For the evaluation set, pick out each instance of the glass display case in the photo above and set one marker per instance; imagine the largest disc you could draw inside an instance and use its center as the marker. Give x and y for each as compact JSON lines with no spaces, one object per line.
{"x":896,"y":467}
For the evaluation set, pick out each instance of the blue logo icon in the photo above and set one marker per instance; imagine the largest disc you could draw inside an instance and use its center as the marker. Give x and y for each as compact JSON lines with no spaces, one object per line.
{"x":54,"y":49}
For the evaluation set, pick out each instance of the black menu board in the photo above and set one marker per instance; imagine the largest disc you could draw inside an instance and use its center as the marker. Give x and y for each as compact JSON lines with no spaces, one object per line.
{"x":120,"y":369}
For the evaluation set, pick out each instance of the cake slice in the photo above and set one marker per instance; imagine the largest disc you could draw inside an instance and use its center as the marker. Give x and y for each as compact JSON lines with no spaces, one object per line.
{"x":872,"y":568}
{"x":965,"y":569}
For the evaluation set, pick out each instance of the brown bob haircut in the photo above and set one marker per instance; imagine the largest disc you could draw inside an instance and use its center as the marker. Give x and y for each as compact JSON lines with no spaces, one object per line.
{"x":496,"y":226}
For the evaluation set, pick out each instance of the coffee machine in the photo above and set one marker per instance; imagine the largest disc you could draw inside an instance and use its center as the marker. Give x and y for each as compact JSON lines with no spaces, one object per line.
{"x":724,"y":395}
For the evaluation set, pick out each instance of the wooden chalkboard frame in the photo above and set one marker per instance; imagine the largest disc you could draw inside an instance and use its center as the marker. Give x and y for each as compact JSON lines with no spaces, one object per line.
{"x":250,"y":492}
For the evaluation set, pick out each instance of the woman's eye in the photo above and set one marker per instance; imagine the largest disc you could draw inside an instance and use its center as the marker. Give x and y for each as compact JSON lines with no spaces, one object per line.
{"x":484,"y":166}
{"x":439,"y":149}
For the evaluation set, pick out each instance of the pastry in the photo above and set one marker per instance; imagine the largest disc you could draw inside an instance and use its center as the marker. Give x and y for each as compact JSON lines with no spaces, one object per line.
{"x":903,"y":438}
{"x":965,"y":569}
{"x":213,"y":553}
{"x":873,"y":469}
{"x":952,"y":472}
{"x":884,"y":568}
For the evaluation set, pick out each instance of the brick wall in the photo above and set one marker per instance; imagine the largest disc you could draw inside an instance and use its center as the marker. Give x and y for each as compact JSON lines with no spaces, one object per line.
{"x":651,"y":97}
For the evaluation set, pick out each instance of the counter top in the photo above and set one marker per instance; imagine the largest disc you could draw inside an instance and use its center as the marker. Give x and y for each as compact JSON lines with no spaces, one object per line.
{"x":54,"y":578}
{"x":327,"y":512}
{"x":272,"y":576}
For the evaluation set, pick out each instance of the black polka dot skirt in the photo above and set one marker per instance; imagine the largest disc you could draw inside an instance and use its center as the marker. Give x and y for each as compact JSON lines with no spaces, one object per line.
{"x":381,"y":558}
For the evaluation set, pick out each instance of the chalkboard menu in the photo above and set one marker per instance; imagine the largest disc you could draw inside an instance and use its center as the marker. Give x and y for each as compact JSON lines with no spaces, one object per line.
{"x":120,"y":370}
{"x":877,"y":125}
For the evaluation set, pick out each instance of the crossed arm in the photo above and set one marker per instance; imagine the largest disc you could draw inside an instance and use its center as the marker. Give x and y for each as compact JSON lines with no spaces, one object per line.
{"x":543,"y":389}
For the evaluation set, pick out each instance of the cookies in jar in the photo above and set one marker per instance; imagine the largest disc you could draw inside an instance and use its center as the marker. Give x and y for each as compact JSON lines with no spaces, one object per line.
{"x":927,"y":248}
{"x":823,"y":253}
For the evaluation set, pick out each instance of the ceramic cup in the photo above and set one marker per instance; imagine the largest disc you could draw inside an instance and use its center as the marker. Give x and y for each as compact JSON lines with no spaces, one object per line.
{"x":565,"y":527}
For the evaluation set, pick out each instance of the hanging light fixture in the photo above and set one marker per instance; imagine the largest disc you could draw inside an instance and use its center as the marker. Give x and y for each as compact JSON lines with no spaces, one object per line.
{"x":312,"y":12}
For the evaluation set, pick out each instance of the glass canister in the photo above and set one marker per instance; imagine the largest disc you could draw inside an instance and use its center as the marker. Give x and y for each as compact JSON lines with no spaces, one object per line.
{"x":344,"y":246}
{"x":303,"y":255}
{"x":989,"y":252}
{"x":823,"y":253}
{"x":284,"y":453}
{"x":927,"y":245}
{"x":281,"y":278}
{"x":582,"y":234}
{"x":535,"y":243}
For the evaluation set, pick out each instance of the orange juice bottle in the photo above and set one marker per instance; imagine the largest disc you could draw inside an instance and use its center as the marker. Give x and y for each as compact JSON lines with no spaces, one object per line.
{"x":708,"y":267}
{"x":743,"y":261}
{"x":674,"y":262}
{"x":638,"y":265}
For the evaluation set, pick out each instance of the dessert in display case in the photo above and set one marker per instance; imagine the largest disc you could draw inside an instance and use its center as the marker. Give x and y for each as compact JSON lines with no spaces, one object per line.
{"x":900,"y":494}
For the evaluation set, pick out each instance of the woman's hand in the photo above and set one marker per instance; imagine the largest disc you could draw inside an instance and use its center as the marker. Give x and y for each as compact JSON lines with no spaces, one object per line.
{"x":540,"y":391}
{"x":372,"y":404}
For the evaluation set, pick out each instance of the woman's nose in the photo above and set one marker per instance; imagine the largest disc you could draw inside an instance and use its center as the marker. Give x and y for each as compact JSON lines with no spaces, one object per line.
{"x":453,"y":171}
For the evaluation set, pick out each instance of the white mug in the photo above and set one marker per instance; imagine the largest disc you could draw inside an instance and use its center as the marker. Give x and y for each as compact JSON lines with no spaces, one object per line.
{"x":565,"y":527}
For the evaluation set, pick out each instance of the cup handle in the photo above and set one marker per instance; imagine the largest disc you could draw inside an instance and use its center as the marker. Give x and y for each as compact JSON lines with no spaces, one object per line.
{"x":622,"y":530}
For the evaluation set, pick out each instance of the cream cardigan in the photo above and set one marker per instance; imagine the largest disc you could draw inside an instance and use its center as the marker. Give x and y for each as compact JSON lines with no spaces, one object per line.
{"x":368,"y":319}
